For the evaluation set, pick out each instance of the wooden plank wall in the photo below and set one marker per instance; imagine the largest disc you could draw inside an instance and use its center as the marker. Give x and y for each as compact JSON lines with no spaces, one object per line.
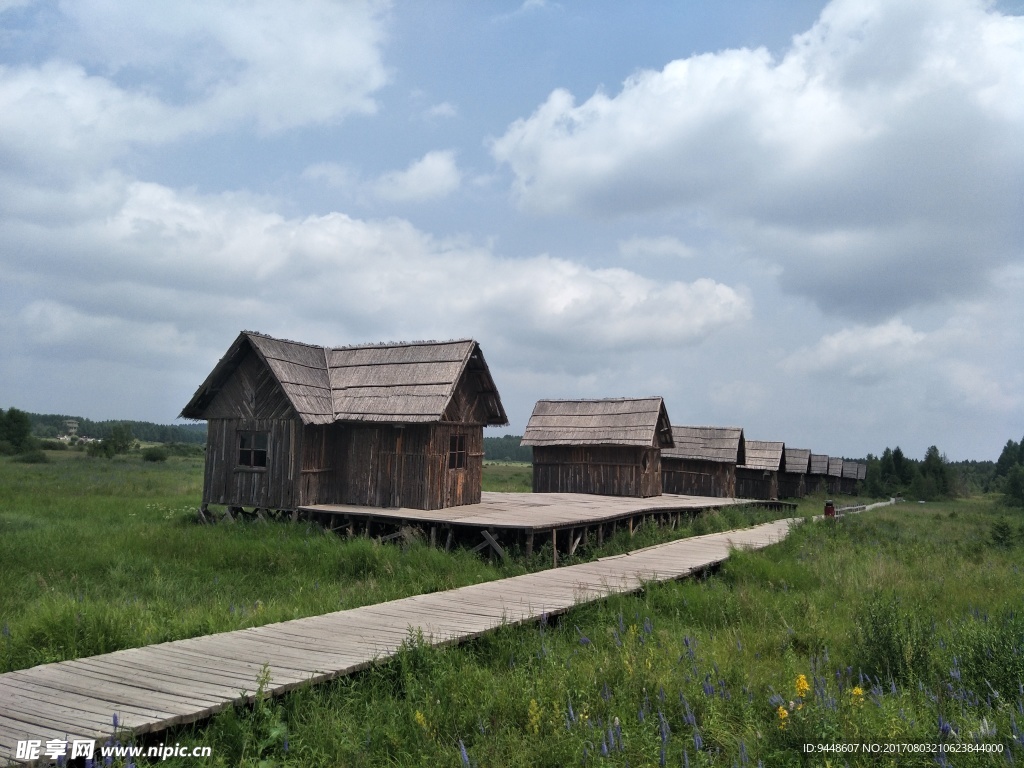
{"x":792,"y":485}
{"x":756,"y":484}
{"x":698,"y":478}
{"x":273,"y":487}
{"x":603,"y":470}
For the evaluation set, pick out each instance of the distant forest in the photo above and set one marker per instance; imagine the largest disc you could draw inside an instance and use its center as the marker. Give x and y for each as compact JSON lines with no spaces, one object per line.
{"x":51,"y":425}
{"x":507,"y":448}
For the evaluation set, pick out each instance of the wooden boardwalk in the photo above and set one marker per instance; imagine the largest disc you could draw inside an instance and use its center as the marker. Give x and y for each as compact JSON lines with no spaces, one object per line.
{"x":153,"y":688}
{"x":501,"y":519}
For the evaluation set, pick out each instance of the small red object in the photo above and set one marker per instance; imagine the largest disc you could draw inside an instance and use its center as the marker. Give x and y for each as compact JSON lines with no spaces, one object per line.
{"x":830,"y":509}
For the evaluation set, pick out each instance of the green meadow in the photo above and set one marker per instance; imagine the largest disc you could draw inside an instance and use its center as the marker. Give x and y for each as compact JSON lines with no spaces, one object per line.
{"x":103,"y":554}
{"x":898,"y":629}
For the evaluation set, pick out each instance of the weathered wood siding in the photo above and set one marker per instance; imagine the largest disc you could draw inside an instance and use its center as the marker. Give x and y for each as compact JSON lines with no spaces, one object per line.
{"x":792,"y":485}
{"x":604,"y":470}
{"x":251,"y":401}
{"x":698,"y":478}
{"x":756,"y":484}
{"x":271,"y":487}
{"x":321,"y":473}
{"x":251,"y":392}
{"x":816,"y":484}
{"x":387,"y":466}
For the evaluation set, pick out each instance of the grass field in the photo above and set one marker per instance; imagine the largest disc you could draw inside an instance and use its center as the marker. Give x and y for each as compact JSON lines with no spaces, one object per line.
{"x":898,"y":626}
{"x":103,"y":554}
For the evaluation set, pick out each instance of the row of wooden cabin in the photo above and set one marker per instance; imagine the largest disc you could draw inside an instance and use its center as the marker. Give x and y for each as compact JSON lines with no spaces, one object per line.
{"x":401,"y":425}
{"x":620,"y":446}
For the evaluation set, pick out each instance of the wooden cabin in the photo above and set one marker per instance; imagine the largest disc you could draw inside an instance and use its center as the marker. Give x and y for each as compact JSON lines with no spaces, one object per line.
{"x":793,"y":482}
{"x":609,"y":447}
{"x":835,"y":474}
{"x":853,"y":473}
{"x":817,"y":475}
{"x":703,"y":461}
{"x":758,"y":478}
{"x":389,"y":425}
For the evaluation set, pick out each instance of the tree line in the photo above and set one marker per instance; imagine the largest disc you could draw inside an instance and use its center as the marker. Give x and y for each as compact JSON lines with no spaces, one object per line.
{"x":507,"y":448}
{"x":50,"y":426}
{"x":935,"y":477}
{"x":1009,"y":472}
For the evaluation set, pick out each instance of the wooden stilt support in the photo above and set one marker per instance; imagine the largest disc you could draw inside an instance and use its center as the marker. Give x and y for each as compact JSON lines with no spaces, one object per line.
{"x":575,"y":541}
{"x":489,"y":539}
{"x":448,"y":541}
{"x":554,"y":548}
{"x":433,"y":535}
{"x":529,"y":543}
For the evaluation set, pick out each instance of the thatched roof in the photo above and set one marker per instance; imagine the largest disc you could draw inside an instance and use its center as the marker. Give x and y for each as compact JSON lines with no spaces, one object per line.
{"x":401,"y":383}
{"x":620,"y":421}
{"x":819,"y":464}
{"x":765,"y":455}
{"x":722,"y":445}
{"x":798,"y":460}
{"x":854,"y":470}
{"x":835,"y":467}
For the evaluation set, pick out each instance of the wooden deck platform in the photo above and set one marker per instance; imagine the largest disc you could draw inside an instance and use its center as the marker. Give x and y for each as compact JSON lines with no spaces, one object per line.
{"x":153,"y":688}
{"x":501,"y":519}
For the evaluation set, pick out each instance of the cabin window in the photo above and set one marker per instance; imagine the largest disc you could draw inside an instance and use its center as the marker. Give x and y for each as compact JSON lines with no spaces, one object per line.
{"x":457,"y":452}
{"x":252,"y":449}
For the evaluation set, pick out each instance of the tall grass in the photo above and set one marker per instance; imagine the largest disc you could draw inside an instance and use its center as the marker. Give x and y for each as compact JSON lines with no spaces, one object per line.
{"x":103,"y":554}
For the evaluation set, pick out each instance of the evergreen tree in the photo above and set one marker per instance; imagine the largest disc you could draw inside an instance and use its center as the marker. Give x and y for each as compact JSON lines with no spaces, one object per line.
{"x":16,"y":429}
{"x":904,"y":469}
{"x":1010,"y":457}
{"x":935,"y":473}
{"x":121,"y":438}
{"x":887,"y":471}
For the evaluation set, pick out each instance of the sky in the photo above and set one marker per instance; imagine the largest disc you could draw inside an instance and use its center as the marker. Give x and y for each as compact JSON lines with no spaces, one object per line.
{"x":802,"y":218}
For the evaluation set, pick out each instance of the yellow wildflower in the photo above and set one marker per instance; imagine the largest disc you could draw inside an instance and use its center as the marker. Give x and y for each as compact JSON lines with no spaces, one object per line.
{"x":421,"y":720}
{"x":783,"y":714}
{"x":802,"y":686}
{"x":534,"y":714}
{"x":857,"y":694}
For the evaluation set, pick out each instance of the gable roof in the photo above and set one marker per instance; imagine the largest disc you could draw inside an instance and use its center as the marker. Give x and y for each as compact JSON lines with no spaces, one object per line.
{"x":854,"y":470}
{"x":722,"y":445}
{"x":403,"y":383}
{"x":614,"y":421}
{"x":835,"y":466}
{"x":798,"y":460}
{"x":819,"y":464}
{"x":766,"y":455}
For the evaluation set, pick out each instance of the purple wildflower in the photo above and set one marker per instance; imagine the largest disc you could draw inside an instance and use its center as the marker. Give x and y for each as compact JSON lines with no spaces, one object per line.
{"x":463,"y":754}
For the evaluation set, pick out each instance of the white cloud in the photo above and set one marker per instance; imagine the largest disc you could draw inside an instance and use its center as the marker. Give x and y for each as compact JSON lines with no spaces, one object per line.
{"x":444,"y":109}
{"x":332,"y":174}
{"x":639,"y":247}
{"x":881,"y":150}
{"x":150,"y":74}
{"x":861,"y":353}
{"x":171,"y":260}
{"x":433,"y":176}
